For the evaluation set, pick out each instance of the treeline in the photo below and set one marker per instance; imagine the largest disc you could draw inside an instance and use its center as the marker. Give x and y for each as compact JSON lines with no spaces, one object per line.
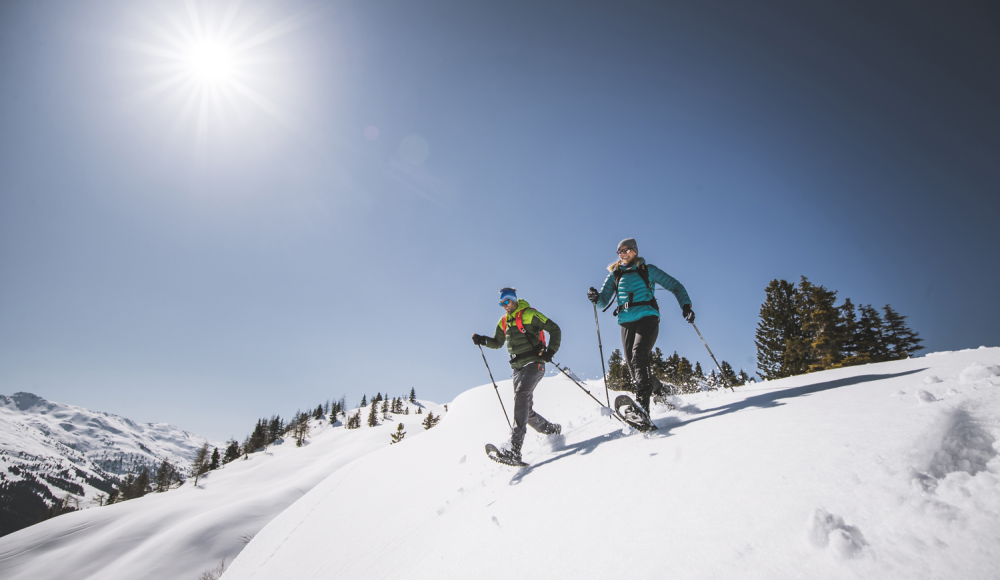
{"x":676,"y":371}
{"x":382,"y":408}
{"x":802,"y":330}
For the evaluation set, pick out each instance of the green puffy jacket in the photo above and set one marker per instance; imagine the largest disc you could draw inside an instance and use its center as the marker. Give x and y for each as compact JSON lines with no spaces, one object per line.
{"x":525,"y":345}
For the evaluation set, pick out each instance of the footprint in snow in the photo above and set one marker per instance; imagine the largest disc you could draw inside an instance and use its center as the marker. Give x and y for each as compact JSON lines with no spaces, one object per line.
{"x":828,"y":531}
{"x":925,"y":397}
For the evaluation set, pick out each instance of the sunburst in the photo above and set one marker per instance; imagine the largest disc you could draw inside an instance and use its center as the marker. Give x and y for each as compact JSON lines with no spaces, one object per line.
{"x":210,"y":60}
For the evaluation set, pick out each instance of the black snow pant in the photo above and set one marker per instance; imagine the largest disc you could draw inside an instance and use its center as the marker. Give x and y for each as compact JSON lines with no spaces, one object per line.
{"x":638,"y":338}
{"x":526,"y":379}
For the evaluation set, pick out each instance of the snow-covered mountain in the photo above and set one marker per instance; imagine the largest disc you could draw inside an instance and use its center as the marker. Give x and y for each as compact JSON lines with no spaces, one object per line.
{"x":51,"y":450}
{"x":188,"y":530}
{"x":889,"y":470}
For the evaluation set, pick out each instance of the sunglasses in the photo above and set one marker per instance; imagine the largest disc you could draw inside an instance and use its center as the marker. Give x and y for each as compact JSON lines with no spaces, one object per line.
{"x":505,"y":302}
{"x":623,"y":251}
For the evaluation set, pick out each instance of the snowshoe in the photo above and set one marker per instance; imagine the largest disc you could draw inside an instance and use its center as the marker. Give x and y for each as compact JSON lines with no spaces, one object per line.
{"x":503,"y":456}
{"x":633,"y":414}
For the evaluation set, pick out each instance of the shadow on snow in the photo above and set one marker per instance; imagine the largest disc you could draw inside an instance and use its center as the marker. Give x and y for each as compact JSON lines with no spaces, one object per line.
{"x":762,"y":401}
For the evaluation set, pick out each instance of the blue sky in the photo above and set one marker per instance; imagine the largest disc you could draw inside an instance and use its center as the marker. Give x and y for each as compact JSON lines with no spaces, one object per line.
{"x":206,"y":267}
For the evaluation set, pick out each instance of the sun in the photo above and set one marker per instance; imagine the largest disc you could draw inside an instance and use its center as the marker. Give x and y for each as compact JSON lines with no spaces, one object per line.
{"x":211,"y":61}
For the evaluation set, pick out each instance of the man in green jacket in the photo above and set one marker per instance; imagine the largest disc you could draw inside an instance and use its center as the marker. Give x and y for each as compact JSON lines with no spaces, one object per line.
{"x":521,"y":329}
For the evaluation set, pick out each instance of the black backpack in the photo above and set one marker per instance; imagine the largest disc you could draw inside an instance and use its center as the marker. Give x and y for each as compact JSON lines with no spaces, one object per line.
{"x":644,"y":274}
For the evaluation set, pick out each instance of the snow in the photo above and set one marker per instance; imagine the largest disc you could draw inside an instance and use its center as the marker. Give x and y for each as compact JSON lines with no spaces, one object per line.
{"x":82,"y":446}
{"x":864,"y":472}
{"x":849,"y":473}
{"x":186,"y":531}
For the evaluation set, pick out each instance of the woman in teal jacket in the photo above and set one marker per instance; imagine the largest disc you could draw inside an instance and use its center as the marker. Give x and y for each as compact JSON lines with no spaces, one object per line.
{"x":631,"y":282}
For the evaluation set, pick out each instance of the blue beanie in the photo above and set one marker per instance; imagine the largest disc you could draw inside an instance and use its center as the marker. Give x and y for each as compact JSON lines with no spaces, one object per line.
{"x":506,"y":293}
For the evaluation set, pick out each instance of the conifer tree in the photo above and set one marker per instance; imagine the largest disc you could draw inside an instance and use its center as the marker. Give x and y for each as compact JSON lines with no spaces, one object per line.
{"x":385,"y":408}
{"x":161,"y":482}
{"x":868,"y":340}
{"x":430,"y":421}
{"x":373,"y":415}
{"x":200,"y":464}
{"x":685,"y":376}
{"x":398,"y":435}
{"x":819,"y":347}
{"x":364,"y":401}
{"x":275,"y":427}
{"x":900,"y":340}
{"x":413,"y":395}
{"x":232,"y":451}
{"x":258,"y":438}
{"x":729,"y":376}
{"x":779,"y":325}
{"x":213,"y":463}
{"x":849,"y":320}
{"x":318,"y":413}
{"x":619,"y":377}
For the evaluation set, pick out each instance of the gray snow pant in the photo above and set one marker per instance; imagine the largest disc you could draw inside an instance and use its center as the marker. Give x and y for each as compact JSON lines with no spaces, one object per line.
{"x":638,"y":338}
{"x":525,"y":380}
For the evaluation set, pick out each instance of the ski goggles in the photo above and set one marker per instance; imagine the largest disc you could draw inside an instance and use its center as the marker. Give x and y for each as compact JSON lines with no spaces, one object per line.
{"x":506,"y":302}
{"x":624,"y":250}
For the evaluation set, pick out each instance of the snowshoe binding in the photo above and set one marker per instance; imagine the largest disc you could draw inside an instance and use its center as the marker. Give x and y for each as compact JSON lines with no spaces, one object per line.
{"x":504,"y":456}
{"x":633,"y":414}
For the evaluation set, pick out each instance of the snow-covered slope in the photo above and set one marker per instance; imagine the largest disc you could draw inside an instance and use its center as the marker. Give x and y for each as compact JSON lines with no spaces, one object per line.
{"x":882,"y":471}
{"x":72,"y":450}
{"x":186,"y":531}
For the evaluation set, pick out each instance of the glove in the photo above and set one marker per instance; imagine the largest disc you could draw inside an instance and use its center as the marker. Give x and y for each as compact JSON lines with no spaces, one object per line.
{"x":592,"y":295}
{"x":688,"y":314}
{"x":478,"y":339}
{"x":546,"y":355}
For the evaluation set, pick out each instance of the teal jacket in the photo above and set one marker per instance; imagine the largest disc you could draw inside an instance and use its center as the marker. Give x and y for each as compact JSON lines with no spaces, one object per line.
{"x":633,"y":283}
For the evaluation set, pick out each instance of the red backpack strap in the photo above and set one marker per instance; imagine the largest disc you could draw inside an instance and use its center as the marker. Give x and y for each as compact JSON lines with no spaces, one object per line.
{"x":520,"y":326}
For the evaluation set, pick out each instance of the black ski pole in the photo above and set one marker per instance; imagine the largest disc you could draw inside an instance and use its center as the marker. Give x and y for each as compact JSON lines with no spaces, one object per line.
{"x":495,"y":388}
{"x":725,"y":381}
{"x":614,"y":413}
{"x":601,"y":349}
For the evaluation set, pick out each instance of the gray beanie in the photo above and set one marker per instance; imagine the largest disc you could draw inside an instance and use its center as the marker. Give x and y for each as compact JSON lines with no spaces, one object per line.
{"x":628,"y":243}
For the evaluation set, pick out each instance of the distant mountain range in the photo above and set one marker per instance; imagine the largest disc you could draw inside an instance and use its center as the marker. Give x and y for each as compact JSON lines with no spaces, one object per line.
{"x":52,"y":454}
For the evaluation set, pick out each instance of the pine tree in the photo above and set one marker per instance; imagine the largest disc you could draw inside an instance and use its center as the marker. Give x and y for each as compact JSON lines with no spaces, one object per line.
{"x":232,"y":451}
{"x":779,"y":325}
{"x":822,"y":328}
{"x":619,"y":377}
{"x":200,"y":464}
{"x":318,"y":413}
{"x":275,"y":427}
{"x":364,"y":401}
{"x":869,"y":342}
{"x":385,"y":408}
{"x":849,"y":319}
{"x":213,"y":464}
{"x":685,"y":376}
{"x":430,"y":421}
{"x":354,"y":421}
{"x":373,"y":415}
{"x":258,"y":438}
{"x":161,"y":482}
{"x":419,"y":411}
{"x":413,"y":395}
{"x":900,"y":340}
{"x":729,"y":376}
{"x":398,"y":435}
